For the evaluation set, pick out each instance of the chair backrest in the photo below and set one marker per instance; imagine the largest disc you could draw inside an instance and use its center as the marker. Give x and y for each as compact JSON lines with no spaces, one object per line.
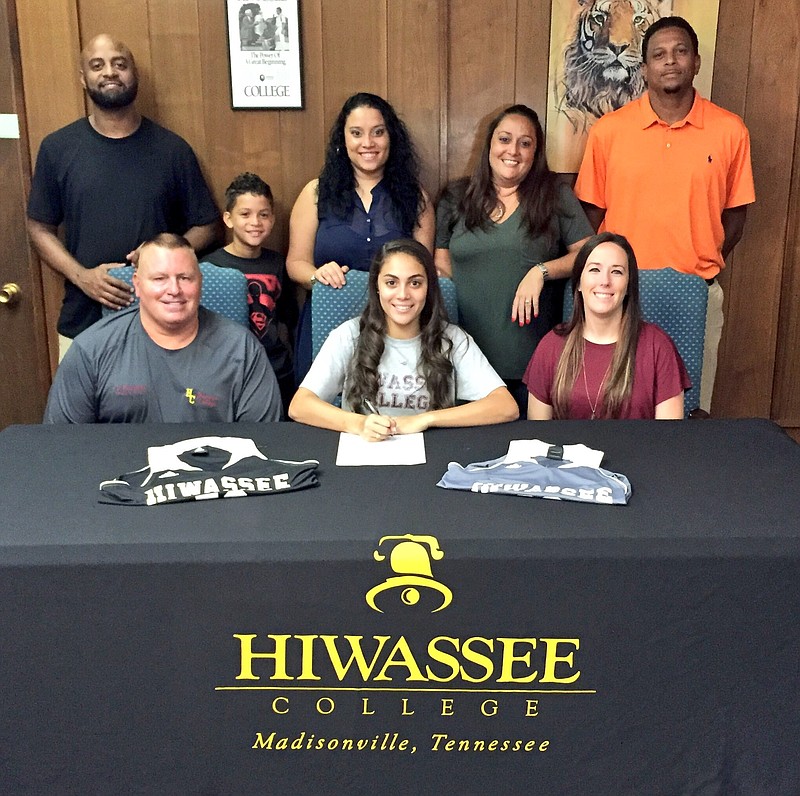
{"x":224,"y":291}
{"x":676,"y":302}
{"x":331,"y":307}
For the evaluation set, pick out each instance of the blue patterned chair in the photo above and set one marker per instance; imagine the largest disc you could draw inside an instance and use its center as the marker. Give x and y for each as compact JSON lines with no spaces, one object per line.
{"x":331,"y":307}
{"x":224,"y":291}
{"x":677,"y":303}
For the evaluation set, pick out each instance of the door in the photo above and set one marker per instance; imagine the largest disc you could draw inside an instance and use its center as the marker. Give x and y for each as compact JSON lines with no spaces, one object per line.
{"x":24,"y":364}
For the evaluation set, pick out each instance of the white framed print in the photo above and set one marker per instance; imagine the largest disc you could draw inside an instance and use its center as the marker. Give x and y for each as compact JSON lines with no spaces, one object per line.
{"x":265,"y":54}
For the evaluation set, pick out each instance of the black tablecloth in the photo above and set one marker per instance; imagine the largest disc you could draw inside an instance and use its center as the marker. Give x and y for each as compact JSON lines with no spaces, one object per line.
{"x":674,"y":619}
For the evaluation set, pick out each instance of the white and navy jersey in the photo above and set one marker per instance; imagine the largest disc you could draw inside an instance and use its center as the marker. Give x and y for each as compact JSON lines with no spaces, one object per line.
{"x":205,"y":468}
{"x":539,"y":477}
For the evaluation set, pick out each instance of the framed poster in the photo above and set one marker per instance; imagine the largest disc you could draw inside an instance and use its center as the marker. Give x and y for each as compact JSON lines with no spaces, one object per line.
{"x":265,"y":54}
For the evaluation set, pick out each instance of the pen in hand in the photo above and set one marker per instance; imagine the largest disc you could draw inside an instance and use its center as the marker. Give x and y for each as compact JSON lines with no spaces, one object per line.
{"x":372,"y":409}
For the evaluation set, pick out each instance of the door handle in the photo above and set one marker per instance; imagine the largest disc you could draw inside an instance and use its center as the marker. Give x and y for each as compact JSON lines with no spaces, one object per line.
{"x":10,"y":293}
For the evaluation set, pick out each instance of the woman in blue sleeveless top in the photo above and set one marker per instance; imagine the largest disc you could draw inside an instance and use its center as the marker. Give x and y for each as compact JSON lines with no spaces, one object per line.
{"x":367,"y":195}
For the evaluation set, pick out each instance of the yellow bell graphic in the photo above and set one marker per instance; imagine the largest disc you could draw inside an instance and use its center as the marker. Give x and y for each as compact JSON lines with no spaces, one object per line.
{"x":410,"y":560}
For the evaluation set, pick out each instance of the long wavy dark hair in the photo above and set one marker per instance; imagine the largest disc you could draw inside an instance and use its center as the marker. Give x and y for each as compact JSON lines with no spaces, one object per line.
{"x":435,"y":364}
{"x":618,"y":385}
{"x":400,"y":175}
{"x":538,"y":192}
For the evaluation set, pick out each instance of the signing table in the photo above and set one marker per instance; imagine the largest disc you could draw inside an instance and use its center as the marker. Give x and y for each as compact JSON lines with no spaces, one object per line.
{"x":378,"y":634}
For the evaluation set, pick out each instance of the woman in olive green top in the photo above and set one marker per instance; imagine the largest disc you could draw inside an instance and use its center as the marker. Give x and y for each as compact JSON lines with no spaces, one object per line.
{"x":504,"y":235}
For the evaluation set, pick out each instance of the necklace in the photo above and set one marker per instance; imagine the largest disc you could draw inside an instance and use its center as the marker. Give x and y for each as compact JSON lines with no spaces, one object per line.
{"x":505,"y":203}
{"x":593,"y":406}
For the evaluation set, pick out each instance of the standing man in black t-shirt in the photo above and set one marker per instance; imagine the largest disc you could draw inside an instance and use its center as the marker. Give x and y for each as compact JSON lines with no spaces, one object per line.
{"x":114,"y":180}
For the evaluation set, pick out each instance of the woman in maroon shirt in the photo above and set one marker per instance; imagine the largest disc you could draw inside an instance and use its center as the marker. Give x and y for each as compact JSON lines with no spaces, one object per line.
{"x":606,"y":362}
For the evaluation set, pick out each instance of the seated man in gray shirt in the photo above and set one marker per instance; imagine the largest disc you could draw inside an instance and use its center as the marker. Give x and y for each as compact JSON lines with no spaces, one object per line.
{"x":168,"y":360}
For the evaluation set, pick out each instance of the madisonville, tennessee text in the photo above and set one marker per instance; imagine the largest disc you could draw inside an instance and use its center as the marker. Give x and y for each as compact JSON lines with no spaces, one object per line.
{"x":392,"y":742}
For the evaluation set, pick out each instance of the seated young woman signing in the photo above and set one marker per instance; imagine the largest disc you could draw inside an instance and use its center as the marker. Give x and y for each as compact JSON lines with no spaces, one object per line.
{"x":401,"y":367}
{"x":606,"y":362}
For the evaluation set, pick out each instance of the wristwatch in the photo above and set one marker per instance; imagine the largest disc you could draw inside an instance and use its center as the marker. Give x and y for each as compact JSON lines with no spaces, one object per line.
{"x":313,"y":280}
{"x":543,"y":268}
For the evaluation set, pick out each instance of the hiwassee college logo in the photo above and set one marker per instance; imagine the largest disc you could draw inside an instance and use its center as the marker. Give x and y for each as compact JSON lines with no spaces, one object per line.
{"x":393,"y":675}
{"x":410,"y":560}
{"x":331,"y":659}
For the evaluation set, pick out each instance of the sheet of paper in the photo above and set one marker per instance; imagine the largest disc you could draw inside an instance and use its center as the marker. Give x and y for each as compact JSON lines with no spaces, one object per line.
{"x":402,"y":449}
{"x":520,"y":450}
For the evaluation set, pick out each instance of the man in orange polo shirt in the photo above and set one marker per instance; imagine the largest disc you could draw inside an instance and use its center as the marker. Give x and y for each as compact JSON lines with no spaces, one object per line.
{"x":671,"y":171}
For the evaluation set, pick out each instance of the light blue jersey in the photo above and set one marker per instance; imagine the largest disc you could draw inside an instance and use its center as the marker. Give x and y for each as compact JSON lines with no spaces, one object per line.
{"x":539,"y":477}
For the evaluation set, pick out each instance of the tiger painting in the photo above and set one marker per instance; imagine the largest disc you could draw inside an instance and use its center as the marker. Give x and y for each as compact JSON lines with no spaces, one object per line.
{"x":602,"y":58}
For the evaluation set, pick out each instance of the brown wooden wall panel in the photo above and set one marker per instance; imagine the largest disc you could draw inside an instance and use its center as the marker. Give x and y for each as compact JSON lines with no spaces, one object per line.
{"x":732,"y":54}
{"x":52,"y":90}
{"x":786,"y":391}
{"x":754,"y":283}
{"x":353,"y":51}
{"x":24,"y":350}
{"x":53,"y":97}
{"x":481,"y":74}
{"x":224,"y":155}
{"x":176,"y":76}
{"x":414,"y":85}
{"x":303,"y":134}
{"x":533,"y":46}
{"x":731,"y":70}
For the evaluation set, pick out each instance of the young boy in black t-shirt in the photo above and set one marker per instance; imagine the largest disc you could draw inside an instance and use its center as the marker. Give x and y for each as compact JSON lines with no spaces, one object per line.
{"x":249,"y":214}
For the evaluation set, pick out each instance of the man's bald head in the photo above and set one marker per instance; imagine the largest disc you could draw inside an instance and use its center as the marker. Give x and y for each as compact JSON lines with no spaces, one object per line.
{"x":105,"y":40}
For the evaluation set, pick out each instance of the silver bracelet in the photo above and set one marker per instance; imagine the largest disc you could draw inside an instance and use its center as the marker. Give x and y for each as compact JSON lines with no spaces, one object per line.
{"x":543,"y":268}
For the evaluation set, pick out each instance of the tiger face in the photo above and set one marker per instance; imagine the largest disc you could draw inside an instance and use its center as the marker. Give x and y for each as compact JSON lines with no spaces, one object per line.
{"x":602,"y":61}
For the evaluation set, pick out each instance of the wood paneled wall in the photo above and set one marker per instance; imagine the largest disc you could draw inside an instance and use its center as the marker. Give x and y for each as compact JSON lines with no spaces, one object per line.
{"x":25,"y":375}
{"x":447,"y":66}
